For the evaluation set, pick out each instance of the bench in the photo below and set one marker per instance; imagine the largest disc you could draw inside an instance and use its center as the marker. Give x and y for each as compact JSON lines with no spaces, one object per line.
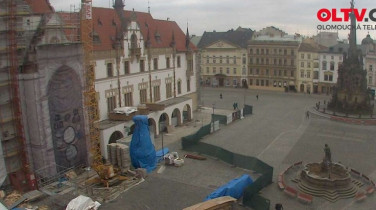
{"x":290,"y":191}
{"x":305,"y":198}
{"x":370,"y":189}
{"x":360,"y":196}
{"x":281,"y":182}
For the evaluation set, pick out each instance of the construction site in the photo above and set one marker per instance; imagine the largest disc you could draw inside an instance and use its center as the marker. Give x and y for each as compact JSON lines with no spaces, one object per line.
{"x":62,"y":75}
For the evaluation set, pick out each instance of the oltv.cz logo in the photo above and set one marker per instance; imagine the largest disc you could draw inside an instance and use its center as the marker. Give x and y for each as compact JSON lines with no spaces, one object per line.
{"x":334,"y":15}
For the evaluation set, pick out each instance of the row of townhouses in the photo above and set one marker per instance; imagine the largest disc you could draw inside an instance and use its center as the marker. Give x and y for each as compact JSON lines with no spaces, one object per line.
{"x":270,"y":59}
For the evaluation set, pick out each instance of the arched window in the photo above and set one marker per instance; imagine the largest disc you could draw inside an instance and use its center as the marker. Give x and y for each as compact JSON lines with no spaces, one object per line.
{"x":134,"y":41}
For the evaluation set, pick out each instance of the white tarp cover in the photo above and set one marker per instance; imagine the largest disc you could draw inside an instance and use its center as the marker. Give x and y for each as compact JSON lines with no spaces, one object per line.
{"x":3,"y":170}
{"x":82,"y":203}
{"x":125,"y":110}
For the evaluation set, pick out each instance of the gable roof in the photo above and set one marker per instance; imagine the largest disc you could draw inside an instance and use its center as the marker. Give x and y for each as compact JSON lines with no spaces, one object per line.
{"x":308,"y":47}
{"x":40,"y":6}
{"x":106,"y":22}
{"x":238,"y":37}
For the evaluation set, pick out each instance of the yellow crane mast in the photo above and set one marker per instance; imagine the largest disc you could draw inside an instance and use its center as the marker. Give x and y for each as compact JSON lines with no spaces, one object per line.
{"x":91,"y":102}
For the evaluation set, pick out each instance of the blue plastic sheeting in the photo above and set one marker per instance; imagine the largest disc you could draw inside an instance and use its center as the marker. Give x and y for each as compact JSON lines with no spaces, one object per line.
{"x":233,"y":188}
{"x":141,"y":150}
{"x":162,"y":152}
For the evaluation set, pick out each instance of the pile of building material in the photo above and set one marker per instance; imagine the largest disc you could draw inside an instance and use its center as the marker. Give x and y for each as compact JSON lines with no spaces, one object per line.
{"x":118,"y":155}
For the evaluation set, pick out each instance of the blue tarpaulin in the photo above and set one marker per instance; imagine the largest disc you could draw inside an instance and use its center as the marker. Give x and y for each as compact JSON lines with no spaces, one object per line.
{"x":160,"y":153}
{"x":233,"y":188}
{"x":141,"y":149}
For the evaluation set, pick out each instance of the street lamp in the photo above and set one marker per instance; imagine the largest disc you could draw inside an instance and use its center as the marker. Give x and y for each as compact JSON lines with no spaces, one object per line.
{"x":213,"y":117}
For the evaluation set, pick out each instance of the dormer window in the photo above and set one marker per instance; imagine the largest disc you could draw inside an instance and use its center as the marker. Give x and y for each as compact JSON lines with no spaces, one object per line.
{"x":157,"y":37}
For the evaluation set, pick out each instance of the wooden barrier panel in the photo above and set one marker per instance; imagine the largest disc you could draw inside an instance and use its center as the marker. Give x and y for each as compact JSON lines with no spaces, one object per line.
{"x":290,"y":191}
{"x":305,"y":197}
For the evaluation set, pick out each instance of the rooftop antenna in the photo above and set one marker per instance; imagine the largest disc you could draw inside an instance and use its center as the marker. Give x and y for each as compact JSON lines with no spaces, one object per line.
{"x":148,"y":6}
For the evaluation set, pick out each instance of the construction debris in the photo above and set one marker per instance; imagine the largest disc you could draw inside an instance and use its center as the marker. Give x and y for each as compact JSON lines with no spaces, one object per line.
{"x":82,"y":203}
{"x":12,"y":198}
{"x":196,"y":157}
{"x":173,"y":159}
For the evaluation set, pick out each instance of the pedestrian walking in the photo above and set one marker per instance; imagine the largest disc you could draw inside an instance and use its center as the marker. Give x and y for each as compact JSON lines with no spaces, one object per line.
{"x":278,"y":206}
{"x":220,"y":95}
{"x":307,"y":114}
{"x":234,"y":105}
{"x":257,"y":96}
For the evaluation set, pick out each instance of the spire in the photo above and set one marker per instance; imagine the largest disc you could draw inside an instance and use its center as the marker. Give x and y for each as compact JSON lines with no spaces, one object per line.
{"x":187,"y":38}
{"x":119,"y":8}
{"x":148,"y":7}
{"x":352,"y":37}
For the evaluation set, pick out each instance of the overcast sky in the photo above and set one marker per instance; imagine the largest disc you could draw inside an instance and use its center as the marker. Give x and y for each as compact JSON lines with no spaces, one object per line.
{"x":293,"y":16}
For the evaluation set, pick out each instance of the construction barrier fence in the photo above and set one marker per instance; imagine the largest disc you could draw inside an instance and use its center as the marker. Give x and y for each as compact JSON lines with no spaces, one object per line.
{"x":192,"y":143}
{"x":247,"y":110}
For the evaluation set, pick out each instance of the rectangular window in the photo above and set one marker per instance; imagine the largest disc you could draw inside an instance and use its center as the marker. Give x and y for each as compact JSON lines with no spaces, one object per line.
{"x":309,"y":64}
{"x":251,"y":82}
{"x":126,"y":67}
{"x":168,"y":90}
{"x":143,"y":96}
{"x":111,"y":103}
{"x":292,"y":73}
{"x":275,"y":72}
{"x":214,"y":59}
{"x":262,"y":82}
{"x":301,"y":74}
{"x":308,"y":74}
{"x":370,"y":68}
{"x":332,"y":66}
{"x":330,"y":77}
{"x":244,"y":60}
{"x":142,"y":65}
{"x":234,"y":70}
{"x":220,"y":59}
{"x":302,"y":56}
{"x":110,"y":72}
{"x":228,"y":59}
{"x":179,"y":61}
{"x":324,"y":66}
{"x":315,"y":75}
{"x":188,"y":85}
{"x":234,"y":59}
{"x":220,"y":70}
{"x":167,"y":63}
{"x":267,"y":72}
{"x":128,"y":99}
{"x":228,"y":70}
{"x":155,"y":63}
{"x":157,"y":93}
{"x":207,"y":70}
{"x":214,"y":70}
{"x":301,"y":64}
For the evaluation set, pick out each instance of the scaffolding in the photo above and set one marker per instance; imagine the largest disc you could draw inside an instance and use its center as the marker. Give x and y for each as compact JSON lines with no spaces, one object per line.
{"x":21,"y":31}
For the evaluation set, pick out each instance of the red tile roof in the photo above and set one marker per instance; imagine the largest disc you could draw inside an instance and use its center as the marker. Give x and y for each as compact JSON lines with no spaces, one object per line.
{"x":105,"y":22}
{"x":40,"y":6}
